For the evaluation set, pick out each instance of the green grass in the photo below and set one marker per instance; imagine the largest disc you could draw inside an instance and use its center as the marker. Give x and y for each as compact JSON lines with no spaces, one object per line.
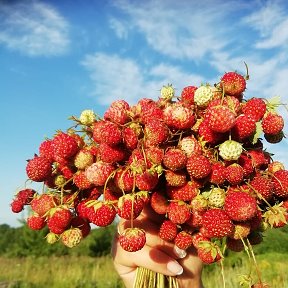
{"x":88,"y":272}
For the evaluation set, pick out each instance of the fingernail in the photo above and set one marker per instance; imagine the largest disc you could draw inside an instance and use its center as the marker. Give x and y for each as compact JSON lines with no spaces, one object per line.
{"x":180,"y":252}
{"x":175,"y":268}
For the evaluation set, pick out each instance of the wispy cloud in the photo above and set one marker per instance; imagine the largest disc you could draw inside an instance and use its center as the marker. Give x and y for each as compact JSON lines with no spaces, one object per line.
{"x":271,"y":23}
{"x":170,"y":31}
{"x":170,"y":28}
{"x":33,"y":28}
{"x":123,"y":78}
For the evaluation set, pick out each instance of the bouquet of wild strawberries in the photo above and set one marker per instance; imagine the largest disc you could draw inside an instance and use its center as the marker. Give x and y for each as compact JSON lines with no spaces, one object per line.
{"x":196,"y":159}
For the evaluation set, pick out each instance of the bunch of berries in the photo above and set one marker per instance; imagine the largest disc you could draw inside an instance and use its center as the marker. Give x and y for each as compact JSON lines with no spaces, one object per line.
{"x":197,"y":159}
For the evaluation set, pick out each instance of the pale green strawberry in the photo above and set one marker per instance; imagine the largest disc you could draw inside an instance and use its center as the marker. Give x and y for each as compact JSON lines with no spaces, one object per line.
{"x":230,"y":150}
{"x":167,"y":92}
{"x":216,"y":197}
{"x":203,"y":95}
{"x":87,"y":117}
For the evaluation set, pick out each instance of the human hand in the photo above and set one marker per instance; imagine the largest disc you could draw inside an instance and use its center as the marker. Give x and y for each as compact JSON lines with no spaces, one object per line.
{"x":157,"y":255}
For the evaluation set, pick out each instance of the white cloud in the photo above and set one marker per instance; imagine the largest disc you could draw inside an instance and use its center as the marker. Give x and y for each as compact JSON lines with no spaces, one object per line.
{"x":123,"y":78}
{"x":271,"y":23}
{"x":33,"y":28}
{"x":178,"y":29}
{"x":119,"y":27}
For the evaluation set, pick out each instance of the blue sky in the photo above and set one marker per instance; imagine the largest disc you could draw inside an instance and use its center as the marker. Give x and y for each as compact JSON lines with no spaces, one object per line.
{"x":61,"y":57}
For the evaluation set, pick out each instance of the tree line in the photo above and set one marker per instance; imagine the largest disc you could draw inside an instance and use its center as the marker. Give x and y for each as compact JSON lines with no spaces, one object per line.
{"x":23,"y":242}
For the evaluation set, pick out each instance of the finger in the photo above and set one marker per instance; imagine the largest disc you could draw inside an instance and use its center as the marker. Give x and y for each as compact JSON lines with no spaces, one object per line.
{"x":148,"y":257}
{"x":152,"y":238}
{"x":193,"y":266}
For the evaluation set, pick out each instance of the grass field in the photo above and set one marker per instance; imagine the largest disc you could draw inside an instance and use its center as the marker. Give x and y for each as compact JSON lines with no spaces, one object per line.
{"x":88,"y":272}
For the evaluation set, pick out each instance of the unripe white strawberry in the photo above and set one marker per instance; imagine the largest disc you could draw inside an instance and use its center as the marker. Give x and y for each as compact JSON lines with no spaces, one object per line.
{"x":71,"y":237}
{"x":52,"y":238}
{"x":167,"y":92}
{"x":216,"y":197}
{"x":83,"y":159}
{"x":87,"y":117}
{"x":230,"y":150}
{"x":203,"y":95}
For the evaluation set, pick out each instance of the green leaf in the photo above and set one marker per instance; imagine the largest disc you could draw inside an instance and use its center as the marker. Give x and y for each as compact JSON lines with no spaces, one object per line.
{"x":257,"y":133}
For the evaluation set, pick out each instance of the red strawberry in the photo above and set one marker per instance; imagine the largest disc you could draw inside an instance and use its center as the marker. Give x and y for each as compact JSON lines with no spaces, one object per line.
{"x":107,"y":132}
{"x":255,"y":108}
{"x":217,"y":175}
{"x":111,"y":193}
{"x":99,"y":172}
{"x":130,"y":138}
{"x":132,"y":239}
{"x":38,"y":169}
{"x":234,"y":174}
{"x":280,"y":182}
{"x":64,"y":145}
{"x":124,"y":179}
{"x":154,"y":156}
{"x":148,"y":109}
{"x":159,"y":202}
{"x":179,"y":117}
{"x":185,"y":193}
{"x":156,"y":132}
{"x":240,"y":206}
{"x":187,"y":95}
{"x":208,"y":252}
{"x":130,"y":206}
{"x":147,"y":180}
{"x":246,"y":163}
{"x":259,"y":158}
{"x":272,"y":123}
{"x":81,"y":181}
{"x":67,"y":171}
{"x":220,"y":118}
{"x":59,"y":219}
{"x":207,"y":134}
{"x":216,"y":223}
{"x":168,"y":230}
{"x":101,"y":213}
{"x":41,"y":204}
{"x":17,"y":206}
{"x":178,"y":212}
{"x":174,"y":159}
{"x":183,"y":240}
{"x":82,"y":209}
{"x":198,"y":166}
{"x":118,"y":112}
{"x":197,"y":238}
{"x":36,"y":222}
{"x":46,"y":150}
{"x":176,"y":178}
{"x":244,"y":127}
{"x":233,"y":83}
{"x":111,"y":154}
{"x":262,"y":186}
{"x":195,"y":221}
{"x":71,"y":237}
{"x":25,"y":195}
